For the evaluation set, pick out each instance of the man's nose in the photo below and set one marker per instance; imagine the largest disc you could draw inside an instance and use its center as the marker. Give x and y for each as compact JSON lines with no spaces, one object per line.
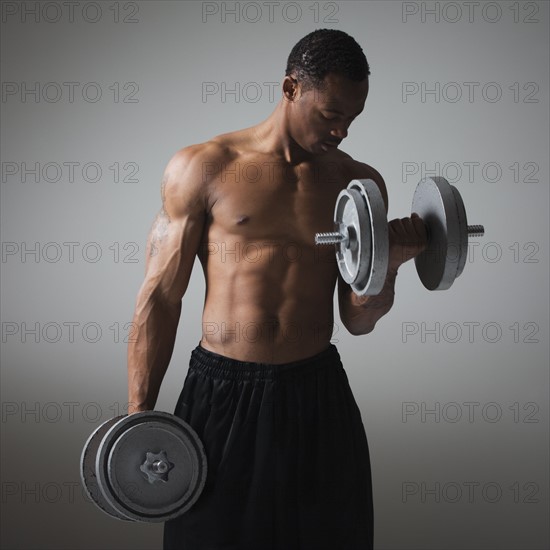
{"x":340,"y":132}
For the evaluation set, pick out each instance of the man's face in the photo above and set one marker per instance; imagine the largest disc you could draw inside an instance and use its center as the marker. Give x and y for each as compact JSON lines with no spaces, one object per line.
{"x":320,"y":118}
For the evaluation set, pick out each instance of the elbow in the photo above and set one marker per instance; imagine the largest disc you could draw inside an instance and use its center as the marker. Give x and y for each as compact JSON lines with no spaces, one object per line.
{"x":358,"y":330}
{"x":151,"y":300}
{"x":362,"y":332}
{"x":356,"y":325}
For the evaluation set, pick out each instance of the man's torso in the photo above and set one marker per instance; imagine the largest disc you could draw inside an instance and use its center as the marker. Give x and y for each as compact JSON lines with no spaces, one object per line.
{"x":269,"y":288}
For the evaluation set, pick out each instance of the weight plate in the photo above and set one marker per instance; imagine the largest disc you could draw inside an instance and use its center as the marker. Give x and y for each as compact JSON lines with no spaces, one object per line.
{"x":462,"y":250}
{"x":88,"y":471}
{"x":124,"y":460}
{"x":440,"y":206}
{"x":374,"y":235}
{"x":352,"y":254}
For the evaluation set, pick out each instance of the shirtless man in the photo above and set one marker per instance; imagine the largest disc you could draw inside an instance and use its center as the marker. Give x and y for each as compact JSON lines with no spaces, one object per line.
{"x":288,"y":463}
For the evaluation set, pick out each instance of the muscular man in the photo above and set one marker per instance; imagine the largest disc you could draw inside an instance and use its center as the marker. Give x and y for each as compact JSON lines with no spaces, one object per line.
{"x":288,"y":460}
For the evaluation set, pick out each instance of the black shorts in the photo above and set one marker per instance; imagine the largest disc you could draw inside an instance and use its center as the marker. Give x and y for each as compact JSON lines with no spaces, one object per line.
{"x":288,"y":459}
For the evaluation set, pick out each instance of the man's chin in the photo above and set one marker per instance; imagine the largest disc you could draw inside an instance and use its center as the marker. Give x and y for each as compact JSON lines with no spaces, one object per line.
{"x":327,"y":148}
{"x":321,"y":148}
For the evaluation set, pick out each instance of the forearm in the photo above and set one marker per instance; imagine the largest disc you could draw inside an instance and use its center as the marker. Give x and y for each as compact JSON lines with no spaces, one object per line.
{"x":156,"y":323}
{"x":363,"y":312}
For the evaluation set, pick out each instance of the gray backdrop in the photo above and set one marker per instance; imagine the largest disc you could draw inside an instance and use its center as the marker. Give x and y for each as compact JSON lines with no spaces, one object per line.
{"x":452,"y":386}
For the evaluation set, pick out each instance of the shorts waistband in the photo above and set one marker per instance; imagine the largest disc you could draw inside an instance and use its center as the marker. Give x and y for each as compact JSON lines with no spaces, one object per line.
{"x":220,"y":366}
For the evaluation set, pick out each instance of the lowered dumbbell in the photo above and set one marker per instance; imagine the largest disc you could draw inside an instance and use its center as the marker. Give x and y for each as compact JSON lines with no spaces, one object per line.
{"x":148,"y":466}
{"x":362,"y":243}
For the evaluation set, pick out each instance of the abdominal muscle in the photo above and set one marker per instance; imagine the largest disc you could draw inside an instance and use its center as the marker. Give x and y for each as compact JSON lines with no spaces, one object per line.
{"x":268,"y":309}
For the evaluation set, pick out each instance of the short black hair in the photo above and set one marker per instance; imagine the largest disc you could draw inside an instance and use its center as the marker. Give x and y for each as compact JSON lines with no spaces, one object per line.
{"x":326,"y":51}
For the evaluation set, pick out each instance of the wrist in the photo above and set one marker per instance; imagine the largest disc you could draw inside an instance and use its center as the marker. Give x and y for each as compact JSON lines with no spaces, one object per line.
{"x":392,"y":269}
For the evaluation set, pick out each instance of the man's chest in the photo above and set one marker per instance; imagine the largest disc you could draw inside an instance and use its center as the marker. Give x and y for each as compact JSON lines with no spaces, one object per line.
{"x":261,"y":198}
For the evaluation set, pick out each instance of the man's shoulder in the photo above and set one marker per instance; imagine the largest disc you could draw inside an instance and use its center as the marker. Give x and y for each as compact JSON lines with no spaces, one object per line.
{"x":206,"y":158}
{"x":211,"y":150}
{"x":355,"y":169}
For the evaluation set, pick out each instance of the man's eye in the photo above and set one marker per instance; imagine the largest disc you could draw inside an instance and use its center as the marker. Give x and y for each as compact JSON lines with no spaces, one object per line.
{"x":328,"y":118}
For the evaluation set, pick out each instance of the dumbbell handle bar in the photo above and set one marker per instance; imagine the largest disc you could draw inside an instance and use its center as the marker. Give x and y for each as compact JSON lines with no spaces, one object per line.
{"x":336,"y":237}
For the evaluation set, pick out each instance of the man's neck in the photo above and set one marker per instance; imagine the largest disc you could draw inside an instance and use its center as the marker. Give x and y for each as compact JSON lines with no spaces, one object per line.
{"x":273,"y":137}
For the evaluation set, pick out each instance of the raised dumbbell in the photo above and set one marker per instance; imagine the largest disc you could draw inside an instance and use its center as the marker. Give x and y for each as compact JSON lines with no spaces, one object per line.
{"x":149,"y":466}
{"x":362,"y":243}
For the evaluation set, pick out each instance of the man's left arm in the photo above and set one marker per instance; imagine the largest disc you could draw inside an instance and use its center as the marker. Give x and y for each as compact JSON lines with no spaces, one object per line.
{"x":407,"y":238}
{"x":359,"y":314}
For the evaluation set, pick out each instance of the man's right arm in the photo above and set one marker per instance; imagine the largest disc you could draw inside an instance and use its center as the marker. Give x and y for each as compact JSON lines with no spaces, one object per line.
{"x":172,"y":245}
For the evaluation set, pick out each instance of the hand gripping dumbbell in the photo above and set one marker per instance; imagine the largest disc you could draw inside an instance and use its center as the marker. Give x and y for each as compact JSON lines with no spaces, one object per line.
{"x":149,"y":466}
{"x":361,"y":235}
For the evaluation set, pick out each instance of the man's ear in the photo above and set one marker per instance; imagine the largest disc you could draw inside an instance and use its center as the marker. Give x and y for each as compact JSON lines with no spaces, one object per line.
{"x":291,"y":89}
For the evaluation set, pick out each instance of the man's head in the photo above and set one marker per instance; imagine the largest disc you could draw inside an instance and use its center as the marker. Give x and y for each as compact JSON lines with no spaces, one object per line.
{"x":325,"y":88}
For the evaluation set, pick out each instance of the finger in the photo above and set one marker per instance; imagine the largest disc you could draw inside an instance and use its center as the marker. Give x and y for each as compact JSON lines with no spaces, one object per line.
{"x":418,"y":222}
{"x":396,"y":226}
{"x":420,"y":227}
